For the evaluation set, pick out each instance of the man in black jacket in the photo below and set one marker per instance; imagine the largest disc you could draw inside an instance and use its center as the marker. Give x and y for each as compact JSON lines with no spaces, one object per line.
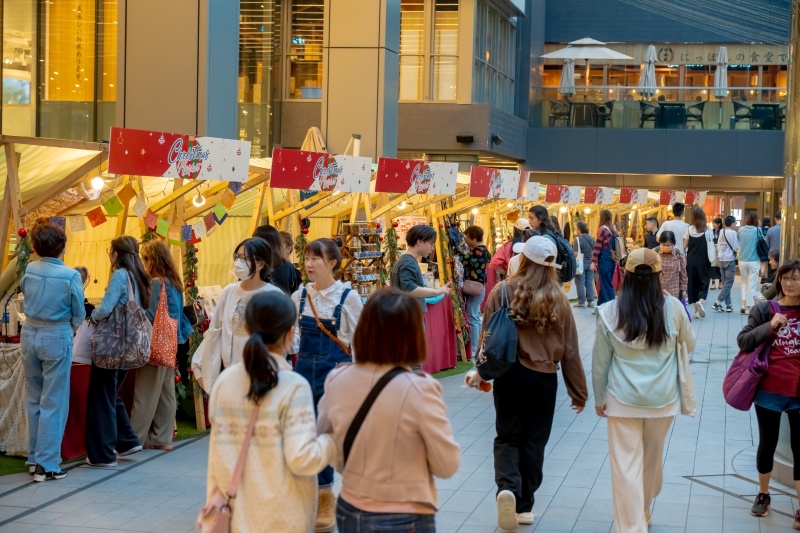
{"x":651,"y":228}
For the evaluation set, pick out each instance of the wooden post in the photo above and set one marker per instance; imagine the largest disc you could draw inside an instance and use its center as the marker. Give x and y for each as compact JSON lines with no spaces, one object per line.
{"x":12,"y":165}
{"x":258,"y":205}
{"x":122,"y":219}
{"x":199,"y":410}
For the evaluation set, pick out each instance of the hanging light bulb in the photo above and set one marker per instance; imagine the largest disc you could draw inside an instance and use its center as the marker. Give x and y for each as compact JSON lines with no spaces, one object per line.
{"x":509,"y":204}
{"x":199,"y":200}
{"x":563,"y":209}
{"x":474,"y":210}
{"x":587,"y":210}
{"x":402,"y":205}
{"x":98,"y":183}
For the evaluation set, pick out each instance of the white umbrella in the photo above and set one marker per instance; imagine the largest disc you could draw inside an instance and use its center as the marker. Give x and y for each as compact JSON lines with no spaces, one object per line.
{"x":567,"y":86}
{"x":586,"y":49}
{"x":721,"y":79}
{"x":721,"y":74}
{"x":647,"y":83}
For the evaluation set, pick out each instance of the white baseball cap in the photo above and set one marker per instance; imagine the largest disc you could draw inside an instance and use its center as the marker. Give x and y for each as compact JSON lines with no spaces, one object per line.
{"x":522,"y":224}
{"x":539,"y":249}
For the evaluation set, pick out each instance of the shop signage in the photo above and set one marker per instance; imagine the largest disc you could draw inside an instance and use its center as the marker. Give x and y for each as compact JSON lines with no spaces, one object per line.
{"x":174,"y":155}
{"x":598,"y":195}
{"x":316,"y":171}
{"x":696,"y":54}
{"x":628,"y":195}
{"x":415,"y":177}
{"x":487,"y":182}
{"x":531,"y":192}
{"x":404,"y":224}
{"x":671,"y":197}
{"x":561,"y":194}
{"x":695,"y":198}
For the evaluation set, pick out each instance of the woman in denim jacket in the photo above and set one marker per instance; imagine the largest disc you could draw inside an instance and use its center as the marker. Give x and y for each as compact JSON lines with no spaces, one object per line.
{"x":108,"y":429}
{"x":154,"y":401}
{"x":53,"y":307}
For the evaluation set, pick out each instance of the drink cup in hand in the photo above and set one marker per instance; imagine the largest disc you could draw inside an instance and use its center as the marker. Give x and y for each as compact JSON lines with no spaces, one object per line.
{"x":484,"y":386}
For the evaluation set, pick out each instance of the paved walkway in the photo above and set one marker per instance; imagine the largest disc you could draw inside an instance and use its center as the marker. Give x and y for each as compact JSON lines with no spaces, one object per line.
{"x":709,"y":469}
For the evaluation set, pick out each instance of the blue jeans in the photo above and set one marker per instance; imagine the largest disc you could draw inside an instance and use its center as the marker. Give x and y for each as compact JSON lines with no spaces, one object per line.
{"x":47,"y":348}
{"x":727,"y":270}
{"x":605,"y":267}
{"x":584,"y":284}
{"x":350,"y":519}
{"x":474,"y":320}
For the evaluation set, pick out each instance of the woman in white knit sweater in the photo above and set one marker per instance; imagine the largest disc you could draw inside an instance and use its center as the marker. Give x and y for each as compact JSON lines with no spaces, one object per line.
{"x":278,"y":489}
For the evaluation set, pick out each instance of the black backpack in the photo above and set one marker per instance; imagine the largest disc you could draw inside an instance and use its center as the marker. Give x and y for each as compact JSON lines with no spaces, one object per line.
{"x":498,"y":351}
{"x":565,"y":257}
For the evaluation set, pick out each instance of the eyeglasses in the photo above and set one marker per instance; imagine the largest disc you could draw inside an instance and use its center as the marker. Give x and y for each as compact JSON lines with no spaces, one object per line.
{"x":790,"y":280}
{"x":239,"y":256}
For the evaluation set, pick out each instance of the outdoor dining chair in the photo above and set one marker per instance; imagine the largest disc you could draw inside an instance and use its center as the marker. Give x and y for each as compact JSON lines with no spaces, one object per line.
{"x":649,"y":113}
{"x":602,"y":113}
{"x":559,"y":111}
{"x":740,"y":112}
{"x":695,"y":113}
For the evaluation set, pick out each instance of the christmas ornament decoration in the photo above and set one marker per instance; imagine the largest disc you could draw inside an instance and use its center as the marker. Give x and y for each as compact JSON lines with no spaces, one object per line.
{"x":458,"y":224}
{"x":305,"y":231}
{"x":22,"y":232}
{"x":395,"y":224}
{"x":24,"y":250}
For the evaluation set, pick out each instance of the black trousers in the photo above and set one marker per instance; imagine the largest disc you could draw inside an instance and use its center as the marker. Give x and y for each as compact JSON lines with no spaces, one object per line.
{"x":525,"y":402}
{"x":769,"y":424}
{"x":108,"y":427}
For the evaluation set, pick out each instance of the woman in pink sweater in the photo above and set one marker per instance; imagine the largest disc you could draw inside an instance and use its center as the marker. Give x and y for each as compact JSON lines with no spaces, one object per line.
{"x":405,"y":438}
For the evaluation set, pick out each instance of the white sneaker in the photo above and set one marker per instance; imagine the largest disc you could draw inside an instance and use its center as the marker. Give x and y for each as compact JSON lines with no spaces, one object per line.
{"x":700,"y":309}
{"x":526,"y":519}
{"x":506,"y":510}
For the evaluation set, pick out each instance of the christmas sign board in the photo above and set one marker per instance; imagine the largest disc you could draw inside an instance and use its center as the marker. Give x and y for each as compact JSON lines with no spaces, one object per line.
{"x":415,"y":177}
{"x":695,"y":198}
{"x":671,"y":197}
{"x":406,"y":223}
{"x":486,"y":182}
{"x":561,"y":194}
{"x":316,"y":171}
{"x":628,"y":195}
{"x":531,"y":191}
{"x":598,"y":195}
{"x":174,"y":155}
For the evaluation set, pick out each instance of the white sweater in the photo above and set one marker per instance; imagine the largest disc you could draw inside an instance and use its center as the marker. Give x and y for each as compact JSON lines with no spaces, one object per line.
{"x":278,"y":490}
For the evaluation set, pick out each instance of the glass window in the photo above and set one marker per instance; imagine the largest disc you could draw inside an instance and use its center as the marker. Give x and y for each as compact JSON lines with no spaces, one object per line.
{"x":305,"y":49}
{"x":412,"y":39}
{"x":444,"y":70}
{"x":259,"y":74}
{"x":495,"y":58}
{"x":19,"y":103}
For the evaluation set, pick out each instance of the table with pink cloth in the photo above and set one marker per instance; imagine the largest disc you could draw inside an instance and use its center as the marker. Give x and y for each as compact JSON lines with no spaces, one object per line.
{"x":441,"y":335}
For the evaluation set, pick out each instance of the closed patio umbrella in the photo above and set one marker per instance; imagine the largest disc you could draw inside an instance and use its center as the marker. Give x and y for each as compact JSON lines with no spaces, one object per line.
{"x":647,"y":83}
{"x":567,"y":87}
{"x":721,"y":79}
{"x":586,"y":49}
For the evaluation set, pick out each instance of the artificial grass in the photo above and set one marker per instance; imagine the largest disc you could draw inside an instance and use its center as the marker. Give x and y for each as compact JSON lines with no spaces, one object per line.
{"x":461,"y":367}
{"x":12,"y":465}
{"x":187,"y":429}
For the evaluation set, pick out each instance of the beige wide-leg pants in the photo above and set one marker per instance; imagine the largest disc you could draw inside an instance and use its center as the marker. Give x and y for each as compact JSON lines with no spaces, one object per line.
{"x":636,"y":450}
{"x":154,"y":405}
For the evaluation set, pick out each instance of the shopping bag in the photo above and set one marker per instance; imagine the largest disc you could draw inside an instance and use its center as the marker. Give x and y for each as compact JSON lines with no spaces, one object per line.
{"x":82,"y":344}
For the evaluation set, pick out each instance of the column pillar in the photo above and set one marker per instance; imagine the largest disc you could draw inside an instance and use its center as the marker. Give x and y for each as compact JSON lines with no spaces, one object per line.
{"x":360,"y":75}
{"x":790,"y":229}
{"x":178,"y":65}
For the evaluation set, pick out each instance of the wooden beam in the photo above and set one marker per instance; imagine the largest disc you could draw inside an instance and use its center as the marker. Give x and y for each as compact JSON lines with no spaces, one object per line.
{"x":55,"y":143}
{"x":379,"y":211}
{"x":214,"y":194}
{"x":270,"y":205}
{"x":65,"y":183}
{"x":176,"y":194}
{"x":466,"y":203}
{"x":12,"y":179}
{"x":354,"y":210}
{"x":5,"y":226}
{"x":122,"y":218}
{"x":367,"y":206}
{"x":258,"y":205}
{"x":286,"y":211}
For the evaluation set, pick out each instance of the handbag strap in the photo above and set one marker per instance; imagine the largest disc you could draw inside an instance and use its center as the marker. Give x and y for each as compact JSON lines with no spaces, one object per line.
{"x":355,"y":425}
{"x":324,"y":330}
{"x":237,"y":472}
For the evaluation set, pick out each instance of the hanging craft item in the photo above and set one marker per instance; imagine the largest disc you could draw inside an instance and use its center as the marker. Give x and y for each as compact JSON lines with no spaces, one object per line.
{"x":392,"y":254}
{"x":24,"y":250}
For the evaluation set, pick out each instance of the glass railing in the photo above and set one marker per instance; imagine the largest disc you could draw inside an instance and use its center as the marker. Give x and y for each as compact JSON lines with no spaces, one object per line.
{"x":740,"y":108}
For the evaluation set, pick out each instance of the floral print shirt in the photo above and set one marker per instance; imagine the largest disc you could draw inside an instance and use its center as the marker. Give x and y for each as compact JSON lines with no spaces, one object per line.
{"x":475,"y":263}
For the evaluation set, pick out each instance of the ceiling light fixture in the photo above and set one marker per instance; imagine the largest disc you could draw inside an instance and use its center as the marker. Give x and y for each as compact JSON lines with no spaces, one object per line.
{"x":474,"y":210}
{"x":98,"y":183}
{"x":402,"y":205}
{"x":199,"y":200}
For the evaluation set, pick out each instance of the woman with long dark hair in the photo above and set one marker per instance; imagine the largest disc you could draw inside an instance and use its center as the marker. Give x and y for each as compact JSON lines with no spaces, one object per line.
{"x":108,"y":428}
{"x":525,"y":396}
{"x":406,"y":439}
{"x":696,"y":242}
{"x":635,"y":378}
{"x":154,"y":403}
{"x":540,"y":220}
{"x":278,"y":488}
{"x":602,"y":263}
{"x":283,"y":273}
{"x":327,"y":312}
{"x":776,"y":323}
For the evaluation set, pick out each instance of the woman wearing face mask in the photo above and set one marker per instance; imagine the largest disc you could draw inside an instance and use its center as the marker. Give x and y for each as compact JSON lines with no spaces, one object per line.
{"x":251,"y":260}
{"x":328,"y":313}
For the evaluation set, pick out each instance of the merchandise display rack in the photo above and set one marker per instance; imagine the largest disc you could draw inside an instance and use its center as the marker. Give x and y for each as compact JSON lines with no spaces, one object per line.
{"x":361,"y":256}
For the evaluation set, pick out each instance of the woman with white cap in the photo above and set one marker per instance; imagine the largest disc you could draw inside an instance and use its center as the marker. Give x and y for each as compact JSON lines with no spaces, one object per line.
{"x":525,"y":396}
{"x":635,"y":378}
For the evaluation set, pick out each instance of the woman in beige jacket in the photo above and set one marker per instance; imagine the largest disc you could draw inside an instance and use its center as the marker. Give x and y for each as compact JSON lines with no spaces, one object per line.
{"x":405,"y":439}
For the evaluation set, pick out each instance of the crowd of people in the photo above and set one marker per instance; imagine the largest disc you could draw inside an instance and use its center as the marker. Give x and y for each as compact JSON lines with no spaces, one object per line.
{"x":305,"y":379}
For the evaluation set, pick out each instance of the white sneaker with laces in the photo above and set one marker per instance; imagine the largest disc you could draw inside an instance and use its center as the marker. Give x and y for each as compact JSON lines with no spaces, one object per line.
{"x":526,"y":519}
{"x":506,"y":510}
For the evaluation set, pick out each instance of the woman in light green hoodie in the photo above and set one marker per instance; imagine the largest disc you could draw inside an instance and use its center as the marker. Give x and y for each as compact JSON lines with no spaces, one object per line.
{"x":635,"y":378}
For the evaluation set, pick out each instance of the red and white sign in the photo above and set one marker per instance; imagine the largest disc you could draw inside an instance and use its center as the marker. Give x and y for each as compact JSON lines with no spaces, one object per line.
{"x":487,"y":182}
{"x":316,"y":171}
{"x":531,"y":191}
{"x":415,"y":177}
{"x":561,"y":194}
{"x":671,"y":197}
{"x":598,"y":195}
{"x":696,"y":198}
{"x":174,"y":155}
{"x":628,"y":195}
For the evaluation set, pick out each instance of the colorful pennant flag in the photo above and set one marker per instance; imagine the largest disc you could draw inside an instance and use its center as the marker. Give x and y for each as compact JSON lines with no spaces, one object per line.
{"x":113,"y":206}
{"x":228,"y":198}
{"x":126,"y":194}
{"x":77,"y":223}
{"x":208,"y":220}
{"x":186,"y":233}
{"x":96,"y":217}
{"x":162,"y":227}
{"x":236,"y":187}
{"x":199,"y":228}
{"x":151,"y":219}
{"x":140,"y":207}
{"x":61,"y":222}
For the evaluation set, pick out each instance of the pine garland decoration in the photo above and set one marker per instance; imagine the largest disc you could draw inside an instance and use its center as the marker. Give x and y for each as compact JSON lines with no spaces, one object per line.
{"x":391,"y":255}
{"x":149,"y":235}
{"x":462,"y":335}
{"x":24,"y":250}
{"x":300,"y":250}
{"x":190,"y":290}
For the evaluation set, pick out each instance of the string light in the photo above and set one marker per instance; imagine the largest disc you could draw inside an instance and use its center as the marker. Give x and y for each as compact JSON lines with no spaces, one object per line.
{"x":199,"y":200}
{"x":563,"y":209}
{"x":474,"y":210}
{"x":402,"y":205}
{"x":98,"y":183}
{"x":587,"y":210}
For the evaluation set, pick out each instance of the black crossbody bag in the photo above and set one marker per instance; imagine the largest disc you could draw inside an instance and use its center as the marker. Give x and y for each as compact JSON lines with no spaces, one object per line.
{"x":355,"y":425}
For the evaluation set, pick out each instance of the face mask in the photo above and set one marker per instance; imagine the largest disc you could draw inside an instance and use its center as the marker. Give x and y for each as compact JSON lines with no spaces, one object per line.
{"x":666,"y":250}
{"x":240,"y":269}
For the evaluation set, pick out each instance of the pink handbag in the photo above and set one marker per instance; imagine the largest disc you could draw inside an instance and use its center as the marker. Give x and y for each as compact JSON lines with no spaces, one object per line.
{"x":215,"y":517}
{"x":744,"y":376}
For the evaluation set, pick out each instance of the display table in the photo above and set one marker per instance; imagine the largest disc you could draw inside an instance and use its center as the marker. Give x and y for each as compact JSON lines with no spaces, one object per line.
{"x":441,"y":336}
